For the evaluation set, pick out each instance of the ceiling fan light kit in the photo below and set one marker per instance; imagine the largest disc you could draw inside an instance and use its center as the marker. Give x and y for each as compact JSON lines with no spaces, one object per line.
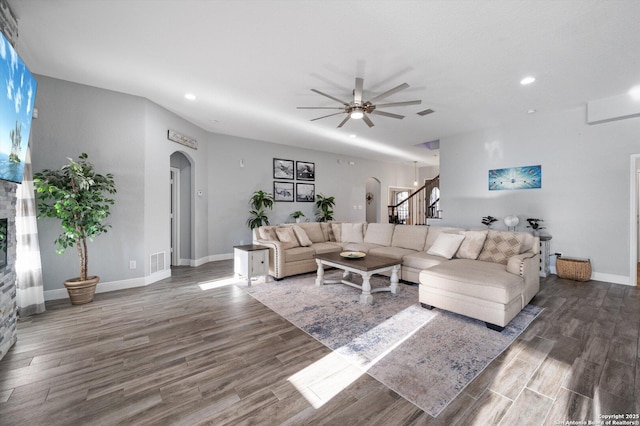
{"x":357,"y":109}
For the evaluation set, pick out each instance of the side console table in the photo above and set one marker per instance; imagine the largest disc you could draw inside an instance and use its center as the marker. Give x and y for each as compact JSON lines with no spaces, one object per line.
{"x":545,"y":255}
{"x":250,"y":261}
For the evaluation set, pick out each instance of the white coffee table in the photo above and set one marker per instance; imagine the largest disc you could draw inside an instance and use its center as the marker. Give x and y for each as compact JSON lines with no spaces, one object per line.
{"x":365,"y":267}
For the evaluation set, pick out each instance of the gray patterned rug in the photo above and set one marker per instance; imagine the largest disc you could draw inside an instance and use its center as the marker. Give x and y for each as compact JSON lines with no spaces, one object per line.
{"x":428,"y":357}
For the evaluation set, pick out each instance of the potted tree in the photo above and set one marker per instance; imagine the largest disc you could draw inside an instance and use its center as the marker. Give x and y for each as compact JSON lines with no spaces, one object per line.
{"x":324,"y":205}
{"x":258,"y":202}
{"x":79,"y":197}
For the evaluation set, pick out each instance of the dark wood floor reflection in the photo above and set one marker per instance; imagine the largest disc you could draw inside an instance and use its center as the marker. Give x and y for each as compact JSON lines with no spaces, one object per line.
{"x":173,"y":353}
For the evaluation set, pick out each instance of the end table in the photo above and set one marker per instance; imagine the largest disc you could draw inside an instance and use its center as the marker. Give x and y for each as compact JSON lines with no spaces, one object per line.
{"x":250,"y":261}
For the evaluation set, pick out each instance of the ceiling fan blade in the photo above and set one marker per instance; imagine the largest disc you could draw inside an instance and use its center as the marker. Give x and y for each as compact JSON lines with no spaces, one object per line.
{"x":389,"y":92}
{"x":357,"y":93}
{"x":387,"y":114}
{"x":367,"y":120}
{"x":330,"y":97}
{"x":344,"y":121}
{"x":342,"y":108}
{"x":325,"y":116}
{"x":395,"y":104}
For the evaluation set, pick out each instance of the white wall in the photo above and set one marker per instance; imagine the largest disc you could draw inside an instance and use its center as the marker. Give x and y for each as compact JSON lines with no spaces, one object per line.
{"x":72,"y":119}
{"x":584,"y":199}
{"x":231,"y":185}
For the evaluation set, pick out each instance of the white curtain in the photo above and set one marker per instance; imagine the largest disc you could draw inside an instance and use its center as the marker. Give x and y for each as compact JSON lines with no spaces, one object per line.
{"x":29,"y":294}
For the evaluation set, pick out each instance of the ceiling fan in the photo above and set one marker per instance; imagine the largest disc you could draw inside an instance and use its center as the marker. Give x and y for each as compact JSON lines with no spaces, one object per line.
{"x":359,"y":109}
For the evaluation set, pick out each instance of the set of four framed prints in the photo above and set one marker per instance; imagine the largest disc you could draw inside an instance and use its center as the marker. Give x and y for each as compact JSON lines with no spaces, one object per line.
{"x":289,"y":170}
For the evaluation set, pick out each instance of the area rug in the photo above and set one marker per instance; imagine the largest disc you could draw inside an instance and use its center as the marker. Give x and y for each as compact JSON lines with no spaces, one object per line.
{"x":426,"y":356}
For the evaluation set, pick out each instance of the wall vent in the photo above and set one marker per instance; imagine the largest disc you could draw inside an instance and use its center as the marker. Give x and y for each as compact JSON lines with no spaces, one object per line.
{"x":157,"y":262}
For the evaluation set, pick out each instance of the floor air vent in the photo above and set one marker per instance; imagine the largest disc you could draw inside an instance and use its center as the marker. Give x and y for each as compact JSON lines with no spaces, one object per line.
{"x":156,"y":262}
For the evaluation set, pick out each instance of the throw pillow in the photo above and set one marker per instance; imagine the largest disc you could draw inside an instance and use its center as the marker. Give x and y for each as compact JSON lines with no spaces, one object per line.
{"x":352,"y":233}
{"x":287,"y":237}
{"x":313,"y":231}
{"x":446,"y":245}
{"x":302,"y":237}
{"x":500,"y":246}
{"x":472,"y":245}
{"x":267,"y":233}
{"x":336,"y":232}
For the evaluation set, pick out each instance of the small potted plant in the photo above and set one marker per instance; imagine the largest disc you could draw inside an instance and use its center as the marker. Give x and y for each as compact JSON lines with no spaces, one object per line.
{"x":297,"y":215}
{"x":488,"y":221}
{"x":534,"y":224}
{"x":324,"y":205}
{"x":79,"y":197}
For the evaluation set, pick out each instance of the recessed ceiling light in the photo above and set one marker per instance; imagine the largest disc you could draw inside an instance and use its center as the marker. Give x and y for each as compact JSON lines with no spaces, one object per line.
{"x":527,"y":80}
{"x":353,"y":135}
{"x":190,"y":96}
{"x":531,"y":111}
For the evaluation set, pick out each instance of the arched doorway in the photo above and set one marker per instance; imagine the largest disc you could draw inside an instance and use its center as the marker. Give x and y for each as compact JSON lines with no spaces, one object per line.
{"x":180,"y":214}
{"x":372,"y":200}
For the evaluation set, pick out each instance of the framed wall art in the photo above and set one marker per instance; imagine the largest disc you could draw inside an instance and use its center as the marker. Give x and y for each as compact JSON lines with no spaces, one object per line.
{"x":528,"y":177}
{"x":305,"y":192}
{"x":283,"y":191}
{"x":305,"y":170}
{"x":283,"y":169}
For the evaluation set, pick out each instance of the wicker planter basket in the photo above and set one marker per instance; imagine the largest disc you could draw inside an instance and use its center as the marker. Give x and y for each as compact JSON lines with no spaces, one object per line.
{"x":573,"y":269}
{"x":81,"y":292}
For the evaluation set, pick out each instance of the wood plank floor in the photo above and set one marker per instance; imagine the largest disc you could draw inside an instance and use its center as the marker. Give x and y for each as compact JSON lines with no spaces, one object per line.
{"x":173,"y":353}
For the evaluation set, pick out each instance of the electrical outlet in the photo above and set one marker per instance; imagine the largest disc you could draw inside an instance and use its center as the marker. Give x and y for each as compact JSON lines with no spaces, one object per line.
{"x":132,"y":264}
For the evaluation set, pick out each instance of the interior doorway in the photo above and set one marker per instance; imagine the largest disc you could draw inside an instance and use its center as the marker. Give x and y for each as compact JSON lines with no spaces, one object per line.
{"x":180,"y":177}
{"x":372,"y":199}
{"x":635,"y":221}
{"x":174,"y":215}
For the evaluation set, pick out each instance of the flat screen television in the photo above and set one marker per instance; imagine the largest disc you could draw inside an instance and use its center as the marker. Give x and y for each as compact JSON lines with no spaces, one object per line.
{"x":17,"y":98}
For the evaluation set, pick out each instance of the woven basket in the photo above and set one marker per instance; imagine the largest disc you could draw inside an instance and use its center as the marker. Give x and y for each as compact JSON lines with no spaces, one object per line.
{"x":574,"y":269}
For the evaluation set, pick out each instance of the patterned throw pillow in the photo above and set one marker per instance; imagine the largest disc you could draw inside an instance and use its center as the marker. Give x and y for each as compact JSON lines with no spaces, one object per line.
{"x":500,"y":246}
{"x":287,"y":237}
{"x":267,"y":233}
{"x":472,"y":245}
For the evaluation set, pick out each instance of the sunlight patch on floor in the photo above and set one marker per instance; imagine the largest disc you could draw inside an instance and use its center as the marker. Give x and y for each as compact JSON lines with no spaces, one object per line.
{"x":327,"y":377}
{"x":221,"y":282}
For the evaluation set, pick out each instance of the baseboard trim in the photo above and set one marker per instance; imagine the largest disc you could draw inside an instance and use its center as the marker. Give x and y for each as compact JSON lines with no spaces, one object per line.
{"x":608,"y":278}
{"x":212,"y":258}
{"x":105,"y":287}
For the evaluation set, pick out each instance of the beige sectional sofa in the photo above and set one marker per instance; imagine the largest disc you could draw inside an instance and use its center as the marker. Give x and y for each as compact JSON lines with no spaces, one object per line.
{"x":485,"y":274}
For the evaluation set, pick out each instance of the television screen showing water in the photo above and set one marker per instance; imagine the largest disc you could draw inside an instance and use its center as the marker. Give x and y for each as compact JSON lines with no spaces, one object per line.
{"x":17,"y":99}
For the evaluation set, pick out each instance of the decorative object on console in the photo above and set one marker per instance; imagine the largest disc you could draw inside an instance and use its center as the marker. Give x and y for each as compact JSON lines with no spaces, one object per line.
{"x":305,"y":170}
{"x":511,"y":222}
{"x":283,"y":191}
{"x":305,"y":192}
{"x":78,"y":196}
{"x":324,"y":206}
{"x":283,"y":169}
{"x":258,"y":202}
{"x":488,"y":220}
{"x":359,"y":109}
{"x":535,"y":225}
{"x":528,"y":177}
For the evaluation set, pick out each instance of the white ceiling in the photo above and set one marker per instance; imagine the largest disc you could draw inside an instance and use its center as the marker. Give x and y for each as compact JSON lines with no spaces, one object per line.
{"x":250,"y":63}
